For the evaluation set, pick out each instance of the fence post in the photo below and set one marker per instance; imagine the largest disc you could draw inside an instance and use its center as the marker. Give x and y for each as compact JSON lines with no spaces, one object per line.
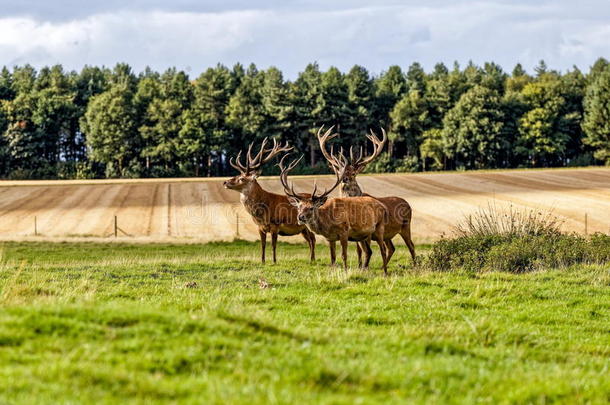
{"x":116,"y":228}
{"x":586,"y":224}
{"x":35,"y":226}
{"x":237,"y":224}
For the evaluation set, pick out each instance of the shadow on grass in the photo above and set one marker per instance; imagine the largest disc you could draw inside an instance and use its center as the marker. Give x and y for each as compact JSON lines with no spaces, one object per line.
{"x":264,"y":328}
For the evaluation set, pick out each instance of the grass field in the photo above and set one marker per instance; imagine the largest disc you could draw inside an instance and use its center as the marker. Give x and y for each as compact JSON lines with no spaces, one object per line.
{"x":110,"y":323}
{"x":202,"y":210}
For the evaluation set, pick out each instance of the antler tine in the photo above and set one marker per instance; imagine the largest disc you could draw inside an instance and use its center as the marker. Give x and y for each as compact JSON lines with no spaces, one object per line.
{"x":284,"y":175}
{"x":276,"y":150}
{"x":378,"y":145}
{"x":232,"y":163}
{"x":375,"y":139}
{"x":255,"y":162}
{"x":334,"y":163}
{"x":326,"y":192}
{"x":342,"y":157}
{"x":237,"y":164}
{"x":249,"y":157}
{"x":337,"y":163}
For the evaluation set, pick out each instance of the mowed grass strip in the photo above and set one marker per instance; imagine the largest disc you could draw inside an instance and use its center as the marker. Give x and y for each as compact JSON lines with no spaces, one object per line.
{"x":108,"y":323}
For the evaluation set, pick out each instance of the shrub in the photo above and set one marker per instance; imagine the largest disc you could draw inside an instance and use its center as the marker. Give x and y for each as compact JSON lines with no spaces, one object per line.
{"x":518,"y":255}
{"x":599,"y":248}
{"x":510,"y":222}
{"x":515,"y":241}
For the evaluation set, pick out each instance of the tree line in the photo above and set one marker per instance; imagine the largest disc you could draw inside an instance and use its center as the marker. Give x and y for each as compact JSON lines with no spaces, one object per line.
{"x":103,"y":122}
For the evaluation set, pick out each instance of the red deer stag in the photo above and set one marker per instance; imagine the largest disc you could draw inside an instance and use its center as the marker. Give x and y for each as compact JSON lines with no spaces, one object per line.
{"x":272,"y":212}
{"x":338,"y":219}
{"x":399,"y":210}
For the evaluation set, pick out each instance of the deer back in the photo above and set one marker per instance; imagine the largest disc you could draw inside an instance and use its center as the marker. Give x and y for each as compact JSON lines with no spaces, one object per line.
{"x":360,"y":215}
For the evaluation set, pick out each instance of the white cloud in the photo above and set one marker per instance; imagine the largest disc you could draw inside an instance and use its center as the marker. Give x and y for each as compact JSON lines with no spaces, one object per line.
{"x":290,"y":37}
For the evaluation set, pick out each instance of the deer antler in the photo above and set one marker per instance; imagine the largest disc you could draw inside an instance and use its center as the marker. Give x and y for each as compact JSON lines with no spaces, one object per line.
{"x":263,"y":156}
{"x":289,"y":190}
{"x":360,"y":162}
{"x":237,"y":163}
{"x":335,"y":163}
{"x":275,"y":150}
{"x":326,"y":192}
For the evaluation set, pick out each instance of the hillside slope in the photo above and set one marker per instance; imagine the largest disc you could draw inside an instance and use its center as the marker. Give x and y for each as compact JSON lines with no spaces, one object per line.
{"x":202,"y":210}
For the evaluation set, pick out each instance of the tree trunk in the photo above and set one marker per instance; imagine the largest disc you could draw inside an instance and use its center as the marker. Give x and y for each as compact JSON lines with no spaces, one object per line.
{"x":312,"y":153}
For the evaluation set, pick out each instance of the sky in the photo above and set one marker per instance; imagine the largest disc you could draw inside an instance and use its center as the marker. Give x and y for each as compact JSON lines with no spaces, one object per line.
{"x":193,"y":35}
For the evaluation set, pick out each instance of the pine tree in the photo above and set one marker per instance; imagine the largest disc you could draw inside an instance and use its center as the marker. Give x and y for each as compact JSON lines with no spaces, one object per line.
{"x":307,"y":98}
{"x":275,"y":98}
{"x":596,"y":122}
{"x":213,"y":89}
{"x":360,"y":93}
{"x":416,"y":78}
{"x":390,"y":86}
{"x":410,"y":118}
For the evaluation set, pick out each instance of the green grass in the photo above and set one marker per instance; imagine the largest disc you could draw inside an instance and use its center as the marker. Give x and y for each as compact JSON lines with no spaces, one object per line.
{"x":108,"y":323}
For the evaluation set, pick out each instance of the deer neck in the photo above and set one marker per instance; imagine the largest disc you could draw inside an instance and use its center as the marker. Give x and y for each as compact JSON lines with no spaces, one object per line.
{"x":351,"y":189}
{"x":318,"y":224}
{"x":253,"y":193}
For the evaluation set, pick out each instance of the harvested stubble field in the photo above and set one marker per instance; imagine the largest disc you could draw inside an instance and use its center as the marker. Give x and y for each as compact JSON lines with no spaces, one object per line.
{"x":202,"y":210}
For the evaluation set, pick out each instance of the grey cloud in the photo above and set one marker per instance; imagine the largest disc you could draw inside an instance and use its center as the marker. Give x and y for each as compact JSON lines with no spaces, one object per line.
{"x":291,"y":34}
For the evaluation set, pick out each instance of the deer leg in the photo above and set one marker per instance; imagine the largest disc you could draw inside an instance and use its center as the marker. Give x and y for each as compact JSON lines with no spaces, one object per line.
{"x":310,"y":237}
{"x":367,"y":253}
{"x":274,"y":243}
{"x":359,"y":251}
{"x":391,"y":248}
{"x":406,"y":236}
{"x":333,"y":252}
{"x":263,"y":236}
{"x":312,"y":240}
{"x":382,"y":247}
{"x":344,"y":252}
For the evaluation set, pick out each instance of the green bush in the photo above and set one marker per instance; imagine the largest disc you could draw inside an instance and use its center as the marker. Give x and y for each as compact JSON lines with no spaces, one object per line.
{"x":599,"y":248}
{"x":515,"y":241}
{"x":518,"y":254}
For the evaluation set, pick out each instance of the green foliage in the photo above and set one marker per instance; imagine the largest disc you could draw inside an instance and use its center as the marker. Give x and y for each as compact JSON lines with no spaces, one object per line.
{"x":383,"y":164}
{"x":410,"y":118}
{"x":515,"y":241}
{"x":472,"y":129}
{"x":543,"y":129}
{"x":432,"y":148}
{"x":165,"y":124}
{"x":111,"y":126}
{"x":596,"y":123}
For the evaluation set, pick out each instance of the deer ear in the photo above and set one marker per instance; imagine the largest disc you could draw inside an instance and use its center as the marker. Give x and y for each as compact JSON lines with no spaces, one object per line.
{"x":255,"y":174}
{"x":293,"y":201}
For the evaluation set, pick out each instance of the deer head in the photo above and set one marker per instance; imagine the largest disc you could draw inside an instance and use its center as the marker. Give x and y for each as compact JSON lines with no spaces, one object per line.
{"x":251,"y":170}
{"x":307,"y":205}
{"x":355,"y":164}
